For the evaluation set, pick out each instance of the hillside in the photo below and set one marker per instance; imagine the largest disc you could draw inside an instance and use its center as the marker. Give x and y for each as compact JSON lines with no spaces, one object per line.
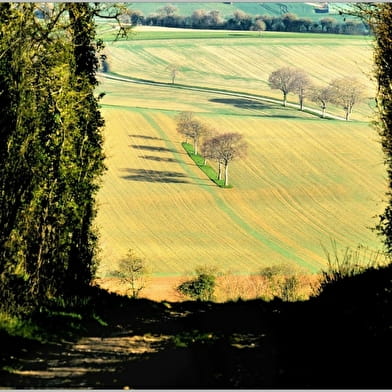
{"x":305,"y":180}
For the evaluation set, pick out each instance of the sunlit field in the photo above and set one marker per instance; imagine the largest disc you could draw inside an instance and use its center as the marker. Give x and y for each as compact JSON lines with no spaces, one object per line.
{"x":305,"y":181}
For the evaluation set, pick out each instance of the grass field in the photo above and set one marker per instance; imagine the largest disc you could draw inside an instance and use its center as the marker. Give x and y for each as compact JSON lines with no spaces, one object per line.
{"x":305,"y":180}
{"x":243,"y":61}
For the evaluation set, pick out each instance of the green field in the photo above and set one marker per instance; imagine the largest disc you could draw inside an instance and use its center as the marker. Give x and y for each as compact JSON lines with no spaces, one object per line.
{"x":304,"y":182}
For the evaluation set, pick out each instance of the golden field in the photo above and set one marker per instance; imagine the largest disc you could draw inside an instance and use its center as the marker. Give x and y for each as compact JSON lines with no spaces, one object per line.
{"x":304,"y":182}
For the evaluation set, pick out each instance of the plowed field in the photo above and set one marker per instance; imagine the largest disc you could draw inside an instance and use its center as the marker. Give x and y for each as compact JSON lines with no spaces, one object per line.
{"x":304,"y":182}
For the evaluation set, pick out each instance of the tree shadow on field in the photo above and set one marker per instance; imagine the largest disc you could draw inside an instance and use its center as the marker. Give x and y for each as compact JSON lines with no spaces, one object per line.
{"x":158,"y":159}
{"x":152,"y":148}
{"x":243,"y":103}
{"x":162,"y":176}
{"x":146,"y":137}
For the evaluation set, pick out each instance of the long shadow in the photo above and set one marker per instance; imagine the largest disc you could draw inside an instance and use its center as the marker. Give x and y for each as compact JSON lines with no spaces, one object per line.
{"x":243,"y":103}
{"x":152,"y":148}
{"x":159,"y":176}
{"x":158,"y":159}
{"x":146,"y":137}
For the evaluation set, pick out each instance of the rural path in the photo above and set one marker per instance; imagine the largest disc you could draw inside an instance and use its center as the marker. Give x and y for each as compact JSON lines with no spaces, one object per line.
{"x":222,"y":92}
{"x":156,"y":345}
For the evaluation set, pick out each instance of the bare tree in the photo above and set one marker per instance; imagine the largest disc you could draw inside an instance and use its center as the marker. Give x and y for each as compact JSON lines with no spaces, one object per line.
{"x":190,"y":127}
{"x":285,"y":80}
{"x":228,"y":147}
{"x":198,"y":130}
{"x":302,"y":86}
{"x":173,"y":71}
{"x":346,"y":93}
{"x":322,"y":96}
{"x":207,"y":149}
{"x":184,"y":121}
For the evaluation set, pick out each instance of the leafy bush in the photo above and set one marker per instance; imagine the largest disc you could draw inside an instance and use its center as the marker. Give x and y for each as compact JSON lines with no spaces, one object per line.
{"x":201,"y":288}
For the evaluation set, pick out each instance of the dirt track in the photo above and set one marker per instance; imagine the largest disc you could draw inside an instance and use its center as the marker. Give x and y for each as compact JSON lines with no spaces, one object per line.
{"x":174,"y":347}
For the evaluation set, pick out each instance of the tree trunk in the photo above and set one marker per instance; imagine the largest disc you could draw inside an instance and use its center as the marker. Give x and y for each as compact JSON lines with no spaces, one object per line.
{"x":301,"y":103}
{"x":226,"y":174}
{"x":284,"y":99}
{"x":220,"y":171}
{"x":323,"y":111}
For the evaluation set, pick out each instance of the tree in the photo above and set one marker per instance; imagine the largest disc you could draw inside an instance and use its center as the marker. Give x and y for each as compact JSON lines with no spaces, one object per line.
{"x":207,"y":149}
{"x":190,"y":127}
{"x":346,"y":92}
{"x":51,"y":152}
{"x":133,"y":272}
{"x":259,"y":25}
{"x":328,"y":24}
{"x":301,"y":86}
{"x":202,"y":287}
{"x":285,"y":80}
{"x":173,"y":71}
{"x":228,"y":147}
{"x":184,"y":121}
{"x":379,"y":18}
{"x":282,"y":281}
{"x":322,"y":96}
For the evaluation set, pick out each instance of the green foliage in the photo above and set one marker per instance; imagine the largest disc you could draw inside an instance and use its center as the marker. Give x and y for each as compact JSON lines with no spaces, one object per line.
{"x":207,"y":169}
{"x":379,"y":16}
{"x":51,"y":154}
{"x":201,"y":288}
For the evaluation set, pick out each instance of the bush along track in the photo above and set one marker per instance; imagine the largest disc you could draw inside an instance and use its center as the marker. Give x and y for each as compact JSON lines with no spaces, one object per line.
{"x":207,"y":169}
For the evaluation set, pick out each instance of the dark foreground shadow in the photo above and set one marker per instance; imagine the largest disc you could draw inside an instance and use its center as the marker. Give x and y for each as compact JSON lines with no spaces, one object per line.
{"x":340,"y":339}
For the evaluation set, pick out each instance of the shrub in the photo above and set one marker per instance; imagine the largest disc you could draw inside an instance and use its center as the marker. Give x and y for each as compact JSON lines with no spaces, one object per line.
{"x":201,"y":288}
{"x":282,"y":281}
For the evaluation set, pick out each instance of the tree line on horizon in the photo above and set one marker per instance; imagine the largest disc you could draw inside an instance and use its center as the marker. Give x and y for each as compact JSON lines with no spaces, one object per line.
{"x":168,"y":16}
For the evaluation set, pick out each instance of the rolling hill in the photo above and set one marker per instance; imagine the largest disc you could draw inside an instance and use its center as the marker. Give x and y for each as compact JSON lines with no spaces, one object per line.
{"x":304,"y":182}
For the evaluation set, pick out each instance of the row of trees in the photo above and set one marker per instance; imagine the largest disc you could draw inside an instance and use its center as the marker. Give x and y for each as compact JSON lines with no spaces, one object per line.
{"x":220,"y":147}
{"x":202,"y":19}
{"x":51,"y":151}
{"x":344,"y":92}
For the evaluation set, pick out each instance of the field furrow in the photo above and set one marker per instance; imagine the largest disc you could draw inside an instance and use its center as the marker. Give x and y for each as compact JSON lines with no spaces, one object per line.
{"x":305,"y":181}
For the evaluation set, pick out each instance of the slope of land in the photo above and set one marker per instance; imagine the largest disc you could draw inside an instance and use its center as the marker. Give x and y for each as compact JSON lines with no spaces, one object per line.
{"x":305,"y":180}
